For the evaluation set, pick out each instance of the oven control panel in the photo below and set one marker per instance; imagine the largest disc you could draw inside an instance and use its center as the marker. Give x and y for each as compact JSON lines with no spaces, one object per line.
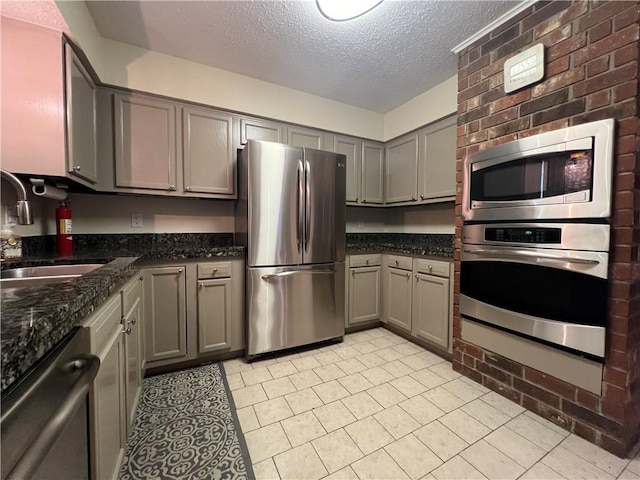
{"x":523,"y":235}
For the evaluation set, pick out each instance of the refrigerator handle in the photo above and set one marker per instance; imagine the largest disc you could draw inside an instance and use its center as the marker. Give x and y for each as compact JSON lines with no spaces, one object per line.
{"x":307,"y":218}
{"x":300,"y":207}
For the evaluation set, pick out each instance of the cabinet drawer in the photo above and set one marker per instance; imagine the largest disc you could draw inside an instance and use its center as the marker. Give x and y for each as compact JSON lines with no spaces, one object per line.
{"x":398,"y":261}
{"x":131,"y":292}
{"x":104,"y":323}
{"x":365,"y":260}
{"x":432,"y":267}
{"x":214,"y":270}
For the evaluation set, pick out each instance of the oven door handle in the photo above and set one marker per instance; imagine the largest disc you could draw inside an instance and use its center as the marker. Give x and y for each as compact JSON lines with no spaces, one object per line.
{"x":31,"y":459}
{"x":528,"y":255}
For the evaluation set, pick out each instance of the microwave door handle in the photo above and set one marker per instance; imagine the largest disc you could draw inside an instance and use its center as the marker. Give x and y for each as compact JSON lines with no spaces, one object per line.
{"x":513,"y":253}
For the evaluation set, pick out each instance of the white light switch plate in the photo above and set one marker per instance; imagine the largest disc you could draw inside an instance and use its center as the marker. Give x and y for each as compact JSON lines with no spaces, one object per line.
{"x":136,"y":220}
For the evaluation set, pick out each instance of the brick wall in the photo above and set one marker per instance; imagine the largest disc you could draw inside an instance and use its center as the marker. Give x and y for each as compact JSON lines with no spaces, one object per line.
{"x":592,"y":72}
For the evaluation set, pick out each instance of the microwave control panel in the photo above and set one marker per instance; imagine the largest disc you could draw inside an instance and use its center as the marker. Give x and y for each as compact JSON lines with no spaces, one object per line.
{"x":523,"y":235}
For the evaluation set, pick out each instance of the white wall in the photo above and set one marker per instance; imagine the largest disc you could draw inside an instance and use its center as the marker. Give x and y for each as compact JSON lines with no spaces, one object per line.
{"x":434,"y":218}
{"x":112,"y":214}
{"x":435,"y":103}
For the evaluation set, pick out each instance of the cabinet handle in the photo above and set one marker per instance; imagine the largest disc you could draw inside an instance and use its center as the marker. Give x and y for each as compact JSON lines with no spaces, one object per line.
{"x":430,"y":268}
{"x":172,"y":187}
{"x":364,"y":200}
{"x":141,"y":278}
{"x":421,"y":197}
{"x":77,"y":168}
{"x":417,"y":277}
{"x":353,"y":272}
{"x":214,"y":270}
{"x":133,"y":321}
{"x":188,"y":189}
{"x":397,"y":263}
{"x":413,"y":198}
{"x":201,"y":285}
{"x":408,"y":275}
{"x":356,"y":199}
{"x":180,"y":271}
{"x":128,"y":331}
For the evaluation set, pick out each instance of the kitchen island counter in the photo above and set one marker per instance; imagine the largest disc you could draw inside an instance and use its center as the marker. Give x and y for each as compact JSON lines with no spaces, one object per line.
{"x":35,"y":319}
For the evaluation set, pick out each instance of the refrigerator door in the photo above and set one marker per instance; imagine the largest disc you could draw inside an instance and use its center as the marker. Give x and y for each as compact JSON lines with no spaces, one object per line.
{"x":275,"y":207}
{"x":292,"y":306}
{"x":325,"y":207}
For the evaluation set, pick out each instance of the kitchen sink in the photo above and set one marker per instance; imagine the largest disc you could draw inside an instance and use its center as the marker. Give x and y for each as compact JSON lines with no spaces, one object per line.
{"x":45,"y":274}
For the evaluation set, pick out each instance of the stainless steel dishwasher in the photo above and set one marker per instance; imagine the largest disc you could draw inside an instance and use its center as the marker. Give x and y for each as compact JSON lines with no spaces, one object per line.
{"x":44,"y":416}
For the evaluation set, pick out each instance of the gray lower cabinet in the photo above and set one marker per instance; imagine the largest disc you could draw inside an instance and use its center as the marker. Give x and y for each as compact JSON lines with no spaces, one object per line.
{"x":165,"y":313}
{"x":417,"y":297}
{"x":193,"y":310}
{"x":107,"y":407}
{"x":132,"y":323}
{"x":372,"y":173}
{"x":364,"y":289}
{"x":431,"y":314}
{"x":398,"y":297}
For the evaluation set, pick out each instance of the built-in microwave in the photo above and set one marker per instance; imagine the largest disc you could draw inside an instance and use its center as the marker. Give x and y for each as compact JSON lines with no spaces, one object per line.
{"x":562,"y":174}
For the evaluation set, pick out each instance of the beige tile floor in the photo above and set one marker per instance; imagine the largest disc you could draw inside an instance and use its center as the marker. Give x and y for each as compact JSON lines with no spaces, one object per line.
{"x":379,"y":407}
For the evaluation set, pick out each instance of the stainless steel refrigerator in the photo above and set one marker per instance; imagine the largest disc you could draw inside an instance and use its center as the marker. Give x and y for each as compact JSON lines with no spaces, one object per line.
{"x":290,"y":216}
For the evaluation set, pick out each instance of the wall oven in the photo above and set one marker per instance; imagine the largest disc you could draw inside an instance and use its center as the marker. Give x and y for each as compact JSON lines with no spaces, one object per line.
{"x":561,"y":174}
{"x":544,"y":281}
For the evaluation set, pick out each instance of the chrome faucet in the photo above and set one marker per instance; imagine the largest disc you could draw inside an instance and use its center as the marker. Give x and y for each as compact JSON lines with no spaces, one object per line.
{"x":25,"y":217}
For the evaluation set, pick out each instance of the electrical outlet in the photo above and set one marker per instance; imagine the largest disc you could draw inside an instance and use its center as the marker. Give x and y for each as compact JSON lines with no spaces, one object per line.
{"x":136,"y":220}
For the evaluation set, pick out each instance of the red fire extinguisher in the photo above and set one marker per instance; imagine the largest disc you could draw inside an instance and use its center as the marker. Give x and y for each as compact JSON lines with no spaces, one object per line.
{"x":64,"y":239}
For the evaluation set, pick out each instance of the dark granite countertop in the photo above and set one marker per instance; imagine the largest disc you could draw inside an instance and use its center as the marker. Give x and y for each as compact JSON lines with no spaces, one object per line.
{"x":426,"y":245}
{"x":34,"y":319}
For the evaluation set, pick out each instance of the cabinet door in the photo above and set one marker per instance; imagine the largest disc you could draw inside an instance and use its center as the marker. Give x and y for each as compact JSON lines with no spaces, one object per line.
{"x":214,"y":315}
{"x":431,"y":309}
{"x":351,"y":148}
{"x":207,"y":144}
{"x":401,"y":170}
{"x":372,"y":172}
{"x":306,"y":138}
{"x":81,"y":119}
{"x":254,"y":129}
{"x":398,"y":297}
{"x":132,"y":355}
{"x":165,"y":313}
{"x":107,"y":406}
{"x":363,"y":283}
{"x":437,"y":160}
{"x":145,"y":142}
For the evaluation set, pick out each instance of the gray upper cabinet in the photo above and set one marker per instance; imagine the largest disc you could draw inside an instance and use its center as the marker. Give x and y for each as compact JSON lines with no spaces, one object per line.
{"x":145,"y":143}
{"x":437,"y":160}
{"x":81,"y":119}
{"x":307,"y":138}
{"x":350,"y":147}
{"x":257,"y":129}
{"x":372,"y":172}
{"x":401,"y":170}
{"x":208,"y":160}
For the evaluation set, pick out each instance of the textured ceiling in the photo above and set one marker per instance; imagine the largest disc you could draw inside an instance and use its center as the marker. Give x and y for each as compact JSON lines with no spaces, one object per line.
{"x":40,"y":12}
{"x":377,"y":62}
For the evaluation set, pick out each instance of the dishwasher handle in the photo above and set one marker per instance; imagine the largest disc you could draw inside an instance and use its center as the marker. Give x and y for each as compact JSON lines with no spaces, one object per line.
{"x":30,"y":460}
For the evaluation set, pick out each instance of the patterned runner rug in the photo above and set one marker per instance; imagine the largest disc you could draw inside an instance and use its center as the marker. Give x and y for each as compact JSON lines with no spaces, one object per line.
{"x":186,"y":427}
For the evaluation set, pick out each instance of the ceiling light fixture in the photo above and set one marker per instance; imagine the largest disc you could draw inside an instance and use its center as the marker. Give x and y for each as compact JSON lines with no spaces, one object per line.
{"x":341,"y":10}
